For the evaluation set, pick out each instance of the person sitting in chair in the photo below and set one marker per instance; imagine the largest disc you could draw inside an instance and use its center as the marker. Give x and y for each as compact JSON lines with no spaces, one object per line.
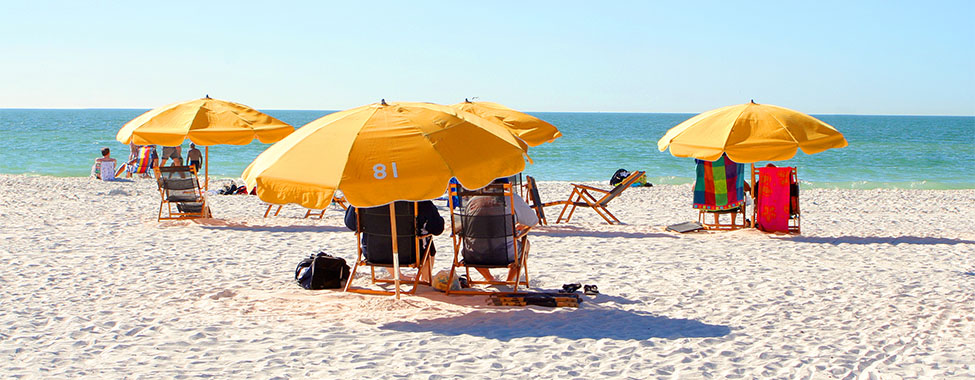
{"x":483,"y":249}
{"x":377,"y":246}
{"x":97,"y":169}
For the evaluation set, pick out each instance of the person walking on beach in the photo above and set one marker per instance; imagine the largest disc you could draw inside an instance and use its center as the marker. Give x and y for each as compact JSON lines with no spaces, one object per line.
{"x":174,"y":152}
{"x":194,"y":157}
{"x":104,"y":167}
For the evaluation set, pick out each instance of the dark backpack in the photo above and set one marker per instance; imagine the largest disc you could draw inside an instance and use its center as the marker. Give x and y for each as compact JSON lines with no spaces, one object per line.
{"x":618,"y":177}
{"x":322,"y":271}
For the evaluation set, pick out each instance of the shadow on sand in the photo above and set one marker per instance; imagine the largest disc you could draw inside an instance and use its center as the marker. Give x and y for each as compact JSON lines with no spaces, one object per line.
{"x":220,"y":224}
{"x":573,"y":231}
{"x":582,"y":323}
{"x":836,"y":240}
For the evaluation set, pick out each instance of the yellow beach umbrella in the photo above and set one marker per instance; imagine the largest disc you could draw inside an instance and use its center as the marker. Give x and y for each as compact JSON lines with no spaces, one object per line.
{"x":533,"y":130}
{"x":205,"y":122}
{"x":381,"y":153}
{"x":750,"y":132}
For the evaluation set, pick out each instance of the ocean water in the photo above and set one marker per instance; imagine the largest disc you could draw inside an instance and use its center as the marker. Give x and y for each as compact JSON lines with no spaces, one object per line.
{"x":923,"y":152}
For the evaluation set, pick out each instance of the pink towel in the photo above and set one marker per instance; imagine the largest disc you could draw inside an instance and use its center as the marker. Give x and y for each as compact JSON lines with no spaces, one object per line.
{"x":773,"y":199}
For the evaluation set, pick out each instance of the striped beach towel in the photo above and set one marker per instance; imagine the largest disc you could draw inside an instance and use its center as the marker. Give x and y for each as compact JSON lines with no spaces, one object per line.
{"x":142,"y":161}
{"x":720,"y":185}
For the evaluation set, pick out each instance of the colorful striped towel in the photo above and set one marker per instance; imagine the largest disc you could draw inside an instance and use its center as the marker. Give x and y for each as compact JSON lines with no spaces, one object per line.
{"x":143,"y":161}
{"x":720,"y":185}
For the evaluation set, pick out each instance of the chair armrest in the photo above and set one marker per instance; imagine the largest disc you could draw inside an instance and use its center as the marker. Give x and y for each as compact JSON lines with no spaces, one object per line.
{"x":521,"y":231}
{"x":590,"y":188}
{"x":546,"y":204}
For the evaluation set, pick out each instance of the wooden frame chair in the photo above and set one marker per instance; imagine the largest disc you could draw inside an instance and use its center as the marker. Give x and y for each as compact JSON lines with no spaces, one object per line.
{"x":536,"y":200}
{"x":373,"y":224}
{"x":484,"y":224}
{"x":582,"y":196}
{"x":795,"y":215}
{"x":719,"y":189}
{"x":179,"y":186}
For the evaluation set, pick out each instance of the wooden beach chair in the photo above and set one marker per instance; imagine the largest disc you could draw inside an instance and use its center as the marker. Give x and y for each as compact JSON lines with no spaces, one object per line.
{"x":776,"y":199}
{"x":179,"y":186}
{"x":719,"y":190}
{"x":373,"y":228}
{"x":582,"y":196}
{"x":536,"y":200}
{"x":485,"y":236}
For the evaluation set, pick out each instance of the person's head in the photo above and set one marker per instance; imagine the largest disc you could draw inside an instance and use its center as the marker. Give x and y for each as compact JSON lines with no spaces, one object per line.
{"x":105,"y":152}
{"x":192,"y":146}
{"x":770,"y":165}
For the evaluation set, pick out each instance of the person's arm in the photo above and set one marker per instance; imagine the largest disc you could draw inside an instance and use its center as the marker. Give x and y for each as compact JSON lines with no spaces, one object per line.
{"x":351,"y":220}
{"x":524,"y":213}
{"x":429,"y":215}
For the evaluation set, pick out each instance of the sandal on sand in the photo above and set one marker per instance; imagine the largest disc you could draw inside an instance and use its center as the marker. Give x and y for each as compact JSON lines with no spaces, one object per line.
{"x":570,"y":288}
{"x":591,"y":290}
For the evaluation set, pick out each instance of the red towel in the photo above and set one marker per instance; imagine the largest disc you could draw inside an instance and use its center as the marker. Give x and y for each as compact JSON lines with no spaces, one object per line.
{"x":773,"y":199}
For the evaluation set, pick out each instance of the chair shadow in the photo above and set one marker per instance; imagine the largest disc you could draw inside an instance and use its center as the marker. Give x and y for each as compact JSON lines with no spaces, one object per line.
{"x":220,"y":224}
{"x":581,"y":323}
{"x":573,"y":231}
{"x":836,"y":240}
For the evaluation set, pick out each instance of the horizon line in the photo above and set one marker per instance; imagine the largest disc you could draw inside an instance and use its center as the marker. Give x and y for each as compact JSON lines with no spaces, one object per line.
{"x":619,"y":112}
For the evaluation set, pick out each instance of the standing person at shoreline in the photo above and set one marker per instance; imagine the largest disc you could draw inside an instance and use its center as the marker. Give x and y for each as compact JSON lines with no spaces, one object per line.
{"x":194,"y":157}
{"x":174,"y":152}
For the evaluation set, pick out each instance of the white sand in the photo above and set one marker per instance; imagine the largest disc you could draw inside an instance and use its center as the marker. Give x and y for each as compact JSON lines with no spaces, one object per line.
{"x":881,"y":284}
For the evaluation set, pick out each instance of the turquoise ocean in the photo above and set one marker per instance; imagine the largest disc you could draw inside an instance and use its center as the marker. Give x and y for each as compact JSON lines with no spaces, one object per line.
{"x":917,"y":152}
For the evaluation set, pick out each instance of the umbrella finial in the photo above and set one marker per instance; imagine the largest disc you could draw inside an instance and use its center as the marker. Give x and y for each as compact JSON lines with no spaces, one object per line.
{"x":207,"y":97}
{"x":383,"y":102}
{"x":466,"y":101}
{"x":753,"y":101}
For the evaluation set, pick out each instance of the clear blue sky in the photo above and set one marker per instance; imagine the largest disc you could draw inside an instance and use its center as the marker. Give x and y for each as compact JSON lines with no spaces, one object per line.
{"x":821,"y":57}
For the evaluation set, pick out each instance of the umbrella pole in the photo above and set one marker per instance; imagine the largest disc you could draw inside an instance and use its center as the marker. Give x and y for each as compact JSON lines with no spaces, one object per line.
{"x":206,"y":169}
{"x":392,"y":229}
{"x":754,"y":196}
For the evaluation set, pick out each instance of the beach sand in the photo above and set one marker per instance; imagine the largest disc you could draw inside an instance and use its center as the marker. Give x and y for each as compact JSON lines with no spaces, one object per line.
{"x":881,"y":284}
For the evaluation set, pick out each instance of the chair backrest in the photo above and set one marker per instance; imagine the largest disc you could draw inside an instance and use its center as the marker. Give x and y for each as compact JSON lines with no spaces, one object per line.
{"x":376,"y":233}
{"x":485,"y":224}
{"x":719,"y":185}
{"x":178,"y":180}
{"x":143,"y":160}
{"x":622,"y":186}
{"x":106,"y":170}
{"x":535,"y":197}
{"x":774,"y":198}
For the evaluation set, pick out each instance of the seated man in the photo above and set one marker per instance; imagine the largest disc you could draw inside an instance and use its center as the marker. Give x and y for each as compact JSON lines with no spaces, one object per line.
{"x":377,"y":246}
{"x":104,"y":167}
{"x":490,"y":249}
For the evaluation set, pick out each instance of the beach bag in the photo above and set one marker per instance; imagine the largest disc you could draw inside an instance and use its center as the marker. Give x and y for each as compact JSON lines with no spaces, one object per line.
{"x":322,"y":271}
{"x":618,"y":177}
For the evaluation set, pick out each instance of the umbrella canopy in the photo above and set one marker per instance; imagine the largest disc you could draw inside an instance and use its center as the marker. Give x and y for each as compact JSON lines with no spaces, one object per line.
{"x":533,"y":130}
{"x":380,"y":153}
{"x":205,"y":122}
{"x":750,"y":132}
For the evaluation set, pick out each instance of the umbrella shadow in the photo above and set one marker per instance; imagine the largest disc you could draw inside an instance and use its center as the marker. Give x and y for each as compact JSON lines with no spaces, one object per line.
{"x":836,"y":240}
{"x":573,"y":231}
{"x":582,"y":323}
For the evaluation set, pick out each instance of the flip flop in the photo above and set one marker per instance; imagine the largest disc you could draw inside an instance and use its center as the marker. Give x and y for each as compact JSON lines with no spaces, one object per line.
{"x":570,"y":288}
{"x":591,"y":290}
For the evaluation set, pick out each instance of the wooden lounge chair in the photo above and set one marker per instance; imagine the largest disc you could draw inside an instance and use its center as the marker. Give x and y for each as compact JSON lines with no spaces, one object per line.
{"x":536,"y":200}
{"x":776,"y":199}
{"x":179,"y":186}
{"x":373,"y":227}
{"x":582,"y":196}
{"x":719,"y":190}
{"x":485,"y":236}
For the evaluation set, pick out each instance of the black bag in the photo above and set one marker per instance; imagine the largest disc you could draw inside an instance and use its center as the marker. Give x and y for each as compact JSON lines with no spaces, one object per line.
{"x":618,"y":177}
{"x":322,"y":271}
